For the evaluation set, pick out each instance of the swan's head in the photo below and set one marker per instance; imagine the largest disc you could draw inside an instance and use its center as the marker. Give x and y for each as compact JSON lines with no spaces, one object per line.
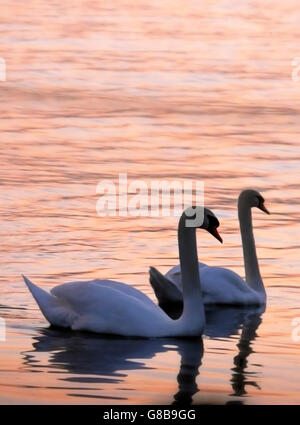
{"x":202,"y":218}
{"x":253,"y":199}
{"x":211,"y":224}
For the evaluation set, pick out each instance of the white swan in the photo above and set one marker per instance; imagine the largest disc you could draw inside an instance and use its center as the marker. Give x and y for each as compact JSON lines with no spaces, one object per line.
{"x":115,"y":308}
{"x":220,"y":285}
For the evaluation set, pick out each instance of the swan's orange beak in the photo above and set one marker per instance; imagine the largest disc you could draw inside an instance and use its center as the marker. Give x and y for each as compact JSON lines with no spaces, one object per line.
{"x":213,"y":231}
{"x":262,"y":207}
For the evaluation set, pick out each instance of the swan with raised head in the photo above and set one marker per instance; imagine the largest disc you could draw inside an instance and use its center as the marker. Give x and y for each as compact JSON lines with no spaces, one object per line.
{"x":220,"y":285}
{"x":109,"y":307}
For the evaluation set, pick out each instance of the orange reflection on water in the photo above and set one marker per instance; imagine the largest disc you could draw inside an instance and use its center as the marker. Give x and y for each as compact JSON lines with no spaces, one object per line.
{"x":171,"y":90}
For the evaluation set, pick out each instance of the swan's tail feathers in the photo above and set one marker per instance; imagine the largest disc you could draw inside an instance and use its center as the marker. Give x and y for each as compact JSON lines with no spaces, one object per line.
{"x":165,"y":290}
{"x":50,"y":306}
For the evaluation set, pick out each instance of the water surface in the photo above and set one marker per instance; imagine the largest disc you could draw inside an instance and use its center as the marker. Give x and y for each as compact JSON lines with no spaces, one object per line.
{"x":167,"y":90}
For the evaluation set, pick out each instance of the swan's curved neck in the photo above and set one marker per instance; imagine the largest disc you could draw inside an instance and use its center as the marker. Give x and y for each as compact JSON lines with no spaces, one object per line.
{"x":253,"y":277}
{"x":193,"y":309}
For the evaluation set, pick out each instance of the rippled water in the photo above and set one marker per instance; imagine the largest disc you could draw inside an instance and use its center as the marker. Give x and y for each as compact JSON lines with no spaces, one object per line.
{"x":159,"y":90}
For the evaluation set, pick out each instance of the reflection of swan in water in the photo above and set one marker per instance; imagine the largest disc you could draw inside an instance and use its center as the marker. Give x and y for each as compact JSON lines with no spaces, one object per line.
{"x":191,"y":352}
{"x":85,"y":354}
{"x":222,"y":321}
{"x":94,"y":360}
{"x":227,"y":321}
{"x":239,"y":371}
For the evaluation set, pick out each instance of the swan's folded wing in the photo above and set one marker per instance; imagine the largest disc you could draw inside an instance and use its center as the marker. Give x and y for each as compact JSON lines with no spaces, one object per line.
{"x":165,"y":290}
{"x":80,"y":296}
{"x":126,"y":289}
{"x":105,"y":309}
{"x":224,"y":286}
{"x":87,"y":298}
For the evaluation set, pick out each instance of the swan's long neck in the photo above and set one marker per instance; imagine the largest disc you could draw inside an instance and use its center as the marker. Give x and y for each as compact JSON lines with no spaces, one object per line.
{"x":193,"y":309}
{"x":253,"y":277}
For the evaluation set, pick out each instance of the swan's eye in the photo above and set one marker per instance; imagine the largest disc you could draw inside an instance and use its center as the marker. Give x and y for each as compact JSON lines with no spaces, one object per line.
{"x":260,"y":200}
{"x":213,"y":221}
{"x":261,"y":204}
{"x":212,"y":228}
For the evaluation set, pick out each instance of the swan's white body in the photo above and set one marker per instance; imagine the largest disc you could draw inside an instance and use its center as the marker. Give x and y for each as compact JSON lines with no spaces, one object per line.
{"x":110,"y":307}
{"x":220,"y":285}
{"x":102,"y":306}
